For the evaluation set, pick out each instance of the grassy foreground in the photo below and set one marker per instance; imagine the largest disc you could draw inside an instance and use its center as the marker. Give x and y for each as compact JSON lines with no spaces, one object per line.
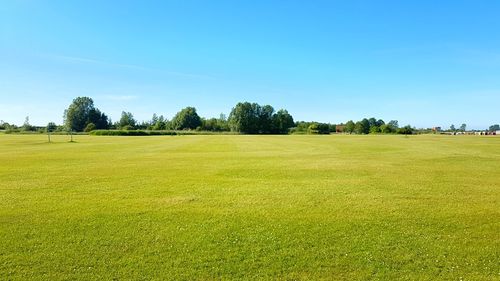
{"x":250,"y":207}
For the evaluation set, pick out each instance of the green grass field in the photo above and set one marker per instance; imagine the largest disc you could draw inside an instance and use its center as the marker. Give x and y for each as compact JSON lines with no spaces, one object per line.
{"x":250,"y":207}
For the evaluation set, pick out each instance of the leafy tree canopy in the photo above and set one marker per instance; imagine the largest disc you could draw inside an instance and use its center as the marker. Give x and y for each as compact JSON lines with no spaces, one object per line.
{"x":81,"y":112}
{"x":185,"y":119}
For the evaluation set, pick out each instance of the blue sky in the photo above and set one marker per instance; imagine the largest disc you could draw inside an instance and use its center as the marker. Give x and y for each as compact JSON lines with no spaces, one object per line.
{"x":425,"y":63}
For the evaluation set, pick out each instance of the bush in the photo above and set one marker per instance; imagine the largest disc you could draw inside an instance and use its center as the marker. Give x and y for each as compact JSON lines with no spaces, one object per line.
{"x":131,"y":133}
{"x":406,"y":130}
{"x":89,"y":127}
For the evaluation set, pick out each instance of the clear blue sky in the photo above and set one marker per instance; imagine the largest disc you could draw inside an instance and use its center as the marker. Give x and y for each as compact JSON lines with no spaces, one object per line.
{"x":426,"y":63}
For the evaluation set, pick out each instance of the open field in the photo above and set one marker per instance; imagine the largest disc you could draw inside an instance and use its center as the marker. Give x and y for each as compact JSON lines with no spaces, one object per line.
{"x":250,"y":207}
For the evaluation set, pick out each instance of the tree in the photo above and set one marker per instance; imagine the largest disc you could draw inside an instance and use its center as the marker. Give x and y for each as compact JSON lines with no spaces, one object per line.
{"x":77,"y":115}
{"x":393,"y":125}
{"x":99,"y":119}
{"x":127,"y":121}
{"x":282,"y":122}
{"x":452,"y":128}
{"x":81,"y":112}
{"x":27,"y":126}
{"x":187,"y":118}
{"x":375,"y":125}
{"x":244,"y":118}
{"x":160,"y":123}
{"x":386,"y":129}
{"x":319,"y":128}
{"x":265,"y":115}
{"x":90,"y":127}
{"x":463,"y":127}
{"x":406,"y":130}
{"x":51,"y":127}
{"x":349,"y":127}
{"x":374,"y":129}
{"x":372,"y":122}
{"x":362,"y":127}
{"x":154,"y":119}
{"x":252,"y":118}
{"x":215,"y":124}
{"x":494,"y":128}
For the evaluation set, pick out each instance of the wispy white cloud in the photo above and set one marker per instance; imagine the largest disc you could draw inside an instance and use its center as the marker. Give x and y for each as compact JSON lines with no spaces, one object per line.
{"x":81,"y":60}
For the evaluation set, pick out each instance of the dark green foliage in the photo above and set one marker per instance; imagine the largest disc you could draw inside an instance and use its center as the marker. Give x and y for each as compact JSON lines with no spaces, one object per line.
{"x":495,"y":127}
{"x":186,"y":119}
{"x":27,"y":126}
{"x":393,"y":125}
{"x":127,"y":121}
{"x":375,"y":130}
{"x":215,"y":124}
{"x":265,"y":116}
{"x":375,"y":125}
{"x":89,"y":127}
{"x":132,"y":133}
{"x":282,"y":122}
{"x":244,"y":118}
{"x":303,"y":127}
{"x":386,"y":129}
{"x":252,"y":118}
{"x":148,"y":133}
{"x":372,"y":122}
{"x":406,"y":130}
{"x":81,"y":112}
{"x":362,"y":127}
{"x":51,"y":127}
{"x":10,"y":128}
{"x":372,"y":126}
{"x":349,"y":127}
{"x":158,"y":123}
{"x":319,"y":128}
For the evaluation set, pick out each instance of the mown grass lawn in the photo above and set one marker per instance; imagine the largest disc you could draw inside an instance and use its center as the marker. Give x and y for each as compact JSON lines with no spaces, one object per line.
{"x":250,"y":207}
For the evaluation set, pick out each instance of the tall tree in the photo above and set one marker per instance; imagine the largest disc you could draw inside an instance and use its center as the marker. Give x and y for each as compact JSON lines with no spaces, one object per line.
{"x":372,"y":122}
{"x":362,"y":127}
{"x":349,"y":127}
{"x":265,"y":116}
{"x":495,"y":127}
{"x":81,"y":112}
{"x":463,"y":127}
{"x":393,"y":125}
{"x":282,"y":121}
{"x":51,"y":127}
{"x":187,"y":118}
{"x":406,"y":130}
{"x":27,"y":126}
{"x":127,"y":121}
{"x":160,"y":123}
{"x":244,"y":118}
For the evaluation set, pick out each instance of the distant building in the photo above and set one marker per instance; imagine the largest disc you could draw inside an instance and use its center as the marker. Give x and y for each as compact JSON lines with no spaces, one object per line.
{"x":436,"y":129}
{"x":339,"y":128}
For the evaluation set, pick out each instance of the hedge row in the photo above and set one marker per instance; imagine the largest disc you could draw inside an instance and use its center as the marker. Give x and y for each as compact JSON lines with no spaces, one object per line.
{"x":134,"y":133}
{"x":155,"y":133}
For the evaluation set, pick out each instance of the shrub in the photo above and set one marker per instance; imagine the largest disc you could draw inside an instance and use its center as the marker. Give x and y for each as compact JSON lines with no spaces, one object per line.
{"x":89,"y":127}
{"x":131,"y":133}
{"x":406,"y":130}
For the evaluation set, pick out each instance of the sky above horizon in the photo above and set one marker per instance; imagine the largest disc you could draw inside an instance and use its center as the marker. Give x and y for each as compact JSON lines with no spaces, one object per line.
{"x":424,"y":63}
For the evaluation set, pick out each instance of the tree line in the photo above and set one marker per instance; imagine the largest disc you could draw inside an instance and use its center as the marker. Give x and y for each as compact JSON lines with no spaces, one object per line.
{"x":247,"y":118}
